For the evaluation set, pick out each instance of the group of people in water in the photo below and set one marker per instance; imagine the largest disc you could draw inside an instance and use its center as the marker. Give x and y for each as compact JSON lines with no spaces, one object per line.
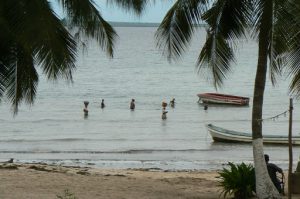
{"x":164,"y":106}
{"x":272,"y":168}
{"x":132,"y":107}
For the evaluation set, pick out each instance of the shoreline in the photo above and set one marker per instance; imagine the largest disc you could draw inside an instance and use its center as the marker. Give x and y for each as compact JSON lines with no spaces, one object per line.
{"x":35,"y":181}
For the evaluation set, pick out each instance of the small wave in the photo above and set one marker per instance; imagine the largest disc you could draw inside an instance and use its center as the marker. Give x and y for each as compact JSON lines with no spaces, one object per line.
{"x":86,"y":140}
{"x":133,"y":151}
{"x":47,"y":140}
{"x":66,"y":140}
{"x":54,"y":120}
{"x":42,"y":121}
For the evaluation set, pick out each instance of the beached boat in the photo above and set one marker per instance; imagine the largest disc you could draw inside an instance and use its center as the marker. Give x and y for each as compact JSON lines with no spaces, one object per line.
{"x":217,"y":98}
{"x":223,"y":135}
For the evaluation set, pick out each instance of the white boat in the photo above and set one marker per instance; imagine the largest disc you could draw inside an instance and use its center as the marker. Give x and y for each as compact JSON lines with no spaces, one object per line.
{"x":217,"y":98}
{"x":219,"y":134}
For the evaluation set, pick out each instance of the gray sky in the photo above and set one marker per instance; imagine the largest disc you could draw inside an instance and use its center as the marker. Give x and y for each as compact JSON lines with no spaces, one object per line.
{"x":153,"y":13}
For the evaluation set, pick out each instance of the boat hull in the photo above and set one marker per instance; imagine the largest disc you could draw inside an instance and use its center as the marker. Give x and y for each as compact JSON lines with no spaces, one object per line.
{"x":219,"y":134}
{"x":216,"y":98}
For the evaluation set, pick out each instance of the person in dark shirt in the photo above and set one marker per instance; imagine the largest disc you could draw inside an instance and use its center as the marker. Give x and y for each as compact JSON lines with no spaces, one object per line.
{"x":132,"y":104}
{"x":102,"y":103}
{"x":85,"y":110}
{"x":272,"y":170}
{"x":172,"y":103}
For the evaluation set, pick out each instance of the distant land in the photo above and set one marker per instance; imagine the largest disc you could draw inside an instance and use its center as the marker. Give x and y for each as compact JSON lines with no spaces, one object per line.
{"x":137,"y":24}
{"x":129,"y":24}
{"x":132,"y":24}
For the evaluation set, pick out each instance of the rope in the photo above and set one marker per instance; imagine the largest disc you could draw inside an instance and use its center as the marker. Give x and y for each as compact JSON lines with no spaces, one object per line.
{"x":275,"y":117}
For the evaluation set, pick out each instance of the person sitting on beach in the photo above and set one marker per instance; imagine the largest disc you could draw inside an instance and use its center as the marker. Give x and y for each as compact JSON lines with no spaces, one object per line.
{"x":272,"y":170}
{"x":102,"y":103}
{"x":132,"y":104}
{"x":172,"y":103}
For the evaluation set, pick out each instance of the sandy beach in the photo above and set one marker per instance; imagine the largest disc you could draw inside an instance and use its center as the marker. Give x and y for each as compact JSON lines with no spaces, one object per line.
{"x":36,"y":181}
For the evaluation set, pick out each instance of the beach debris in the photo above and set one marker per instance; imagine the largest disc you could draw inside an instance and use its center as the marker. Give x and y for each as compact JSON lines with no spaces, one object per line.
{"x":9,"y":167}
{"x":83,"y":172}
{"x":39,"y":168}
{"x":118,"y":175}
{"x":67,"y":195}
{"x":48,"y":168}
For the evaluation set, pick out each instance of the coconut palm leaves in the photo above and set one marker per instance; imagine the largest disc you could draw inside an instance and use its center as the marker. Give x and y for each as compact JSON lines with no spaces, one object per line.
{"x":85,"y":17}
{"x":228,"y":21}
{"x":22,"y":79}
{"x":175,"y":31}
{"x":275,"y":26}
{"x":33,"y":36}
{"x":137,"y":6}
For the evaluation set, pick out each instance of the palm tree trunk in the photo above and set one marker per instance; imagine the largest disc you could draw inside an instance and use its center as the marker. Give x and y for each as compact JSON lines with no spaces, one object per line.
{"x":264,"y":186}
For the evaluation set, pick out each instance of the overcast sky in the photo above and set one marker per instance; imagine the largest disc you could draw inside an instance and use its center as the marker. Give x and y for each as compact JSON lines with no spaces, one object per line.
{"x":153,"y":13}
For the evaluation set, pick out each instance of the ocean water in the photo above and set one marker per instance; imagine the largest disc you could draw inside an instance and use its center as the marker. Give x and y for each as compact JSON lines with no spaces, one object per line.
{"x":54,"y":129}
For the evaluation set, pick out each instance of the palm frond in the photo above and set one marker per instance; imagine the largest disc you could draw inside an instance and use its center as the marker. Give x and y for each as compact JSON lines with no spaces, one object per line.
{"x":22,"y":79}
{"x":41,"y":34}
{"x":137,"y":6}
{"x":3,"y":78}
{"x":215,"y":58}
{"x":295,"y":83}
{"x":281,"y":40}
{"x":229,"y":17}
{"x":174,"y":33}
{"x":292,"y":59}
{"x":5,"y":52}
{"x":5,"y":59}
{"x":293,"y":68}
{"x":84,"y":15}
{"x":287,"y":40}
{"x":227,"y":21}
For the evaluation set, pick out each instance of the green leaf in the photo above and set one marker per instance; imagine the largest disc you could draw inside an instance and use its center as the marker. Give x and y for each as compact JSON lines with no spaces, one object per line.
{"x":238,"y":180}
{"x":174,"y":33}
{"x":84,"y":15}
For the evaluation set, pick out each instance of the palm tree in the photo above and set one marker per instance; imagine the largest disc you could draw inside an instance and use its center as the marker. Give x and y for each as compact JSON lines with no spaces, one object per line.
{"x":274,"y":24}
{"x":32,"y":36}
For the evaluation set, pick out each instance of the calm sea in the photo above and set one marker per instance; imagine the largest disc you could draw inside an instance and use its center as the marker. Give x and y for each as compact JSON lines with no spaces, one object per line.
{"x":54,"y":130}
